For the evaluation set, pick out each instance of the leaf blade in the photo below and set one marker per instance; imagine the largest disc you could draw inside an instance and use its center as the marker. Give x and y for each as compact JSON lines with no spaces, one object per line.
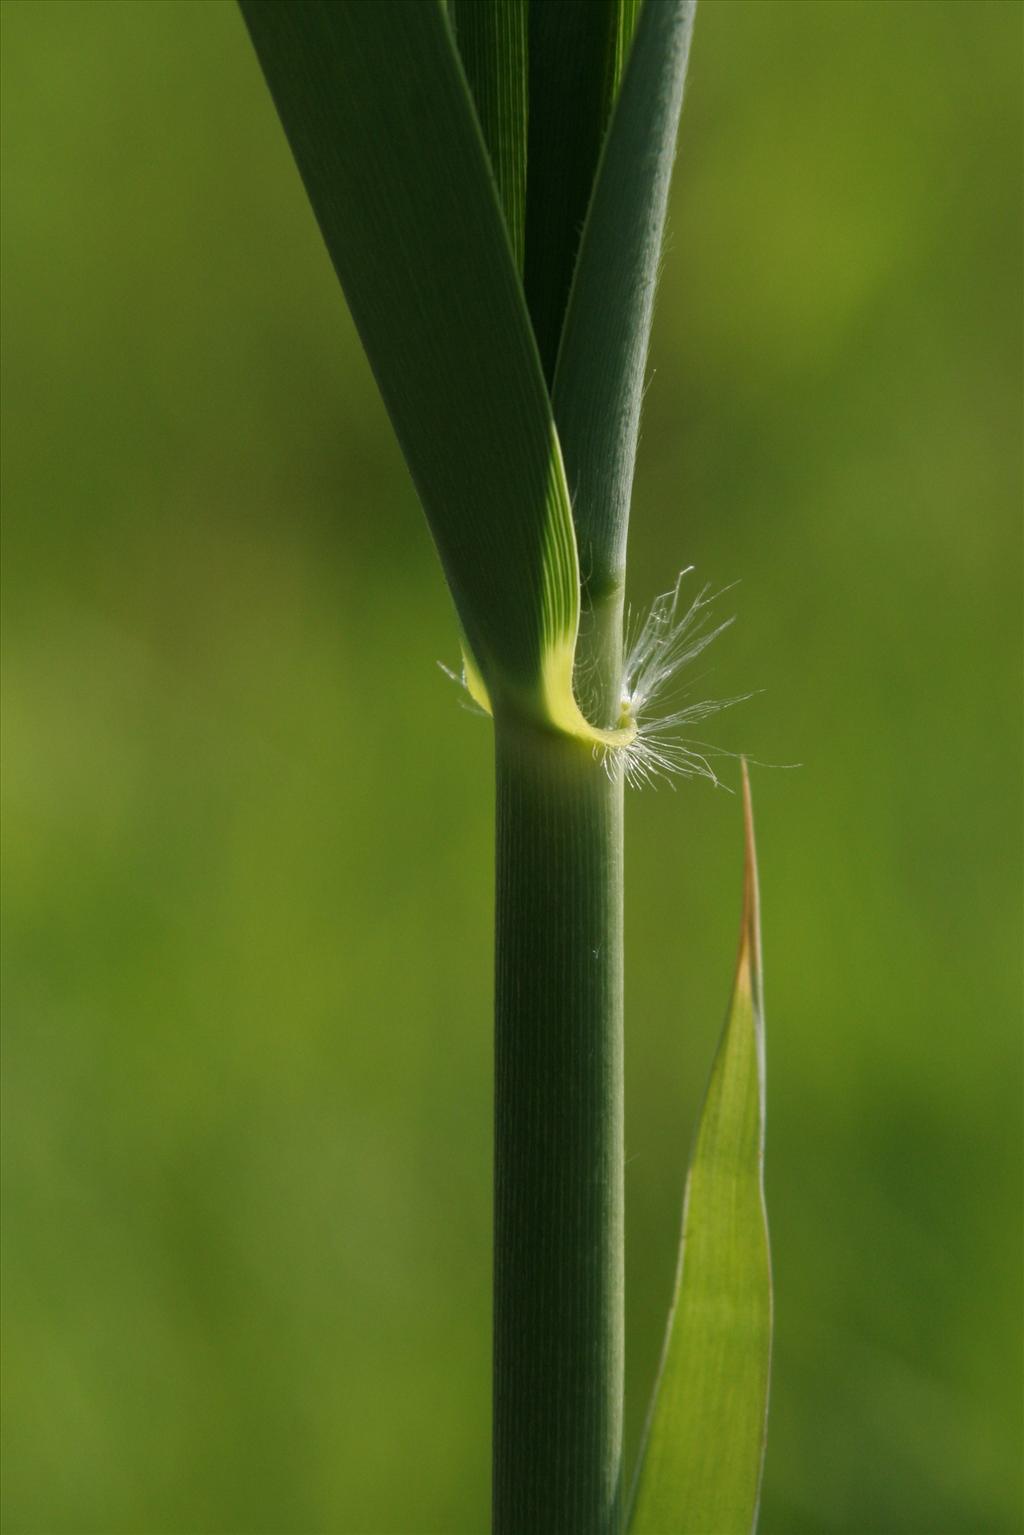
{"x":375,"y":105}
{"x":704,"y":1452}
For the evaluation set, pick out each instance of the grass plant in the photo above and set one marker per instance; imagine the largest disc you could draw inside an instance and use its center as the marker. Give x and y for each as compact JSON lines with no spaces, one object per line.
{"x":491,"y":180}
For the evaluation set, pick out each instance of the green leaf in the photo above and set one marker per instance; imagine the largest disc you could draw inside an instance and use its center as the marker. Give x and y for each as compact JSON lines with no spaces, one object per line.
{"x":577,"y":51}
{"x":599,"y":380}
{"x":492,"y":42}
{"x":701,"y":1470}
{"x":378,"y":113}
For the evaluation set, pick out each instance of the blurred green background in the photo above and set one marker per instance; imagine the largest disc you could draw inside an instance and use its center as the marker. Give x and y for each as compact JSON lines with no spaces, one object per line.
{"x":247,"y":826}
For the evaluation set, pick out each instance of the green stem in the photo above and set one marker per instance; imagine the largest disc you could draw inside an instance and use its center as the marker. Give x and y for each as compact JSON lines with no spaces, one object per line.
{"x":558,"y":1245}
{"x":598,"y":679}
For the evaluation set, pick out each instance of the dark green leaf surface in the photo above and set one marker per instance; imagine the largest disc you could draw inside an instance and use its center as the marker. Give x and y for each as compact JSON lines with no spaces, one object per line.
{"x":701,"y":1471}
{"x":599,"y":380}
{"x":492,"y":42}
{"x":577,"y":50}
{"x":376,"y":108}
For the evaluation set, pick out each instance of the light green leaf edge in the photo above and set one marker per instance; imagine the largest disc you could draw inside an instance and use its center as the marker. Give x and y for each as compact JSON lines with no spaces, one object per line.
{"x":700,"y":1472}
{"x":626,"y":13}
{"x":375,"y":104}
{"x":602,"y":358}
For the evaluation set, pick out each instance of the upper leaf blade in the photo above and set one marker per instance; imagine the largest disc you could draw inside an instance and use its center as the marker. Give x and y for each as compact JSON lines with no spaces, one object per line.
{"x":376,"y":108}
{"x":701,"y":1470}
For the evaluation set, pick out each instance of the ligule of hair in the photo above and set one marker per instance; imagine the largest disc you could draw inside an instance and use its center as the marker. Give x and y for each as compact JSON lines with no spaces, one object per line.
{"x":660,"y":646}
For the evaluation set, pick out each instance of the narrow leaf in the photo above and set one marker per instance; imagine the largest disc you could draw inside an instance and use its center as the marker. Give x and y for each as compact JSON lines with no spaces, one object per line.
{"x":379,"y":117}
{"x":599,"y":380}
{"x":701,"y":1470}
{"x":492,"y":41}
{"x":577,"y":51}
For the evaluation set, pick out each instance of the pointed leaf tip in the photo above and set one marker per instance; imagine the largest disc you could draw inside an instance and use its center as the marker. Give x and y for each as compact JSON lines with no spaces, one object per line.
{"x":749,"y":964}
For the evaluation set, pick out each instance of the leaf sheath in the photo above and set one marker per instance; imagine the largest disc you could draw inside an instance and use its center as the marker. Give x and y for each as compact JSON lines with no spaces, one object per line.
{"x":599,"y":380}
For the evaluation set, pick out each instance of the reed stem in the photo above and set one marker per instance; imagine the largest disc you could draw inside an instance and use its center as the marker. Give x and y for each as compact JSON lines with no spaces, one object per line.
{"x":558,"y":1240}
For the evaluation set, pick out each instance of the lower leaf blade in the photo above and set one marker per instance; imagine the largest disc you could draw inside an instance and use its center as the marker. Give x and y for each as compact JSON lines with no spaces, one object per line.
{"x":377,"y":110}
{"x":701,"y":1468}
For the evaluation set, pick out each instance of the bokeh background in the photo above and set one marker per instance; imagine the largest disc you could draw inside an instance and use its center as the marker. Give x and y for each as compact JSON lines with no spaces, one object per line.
{"x":247,"y":826}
